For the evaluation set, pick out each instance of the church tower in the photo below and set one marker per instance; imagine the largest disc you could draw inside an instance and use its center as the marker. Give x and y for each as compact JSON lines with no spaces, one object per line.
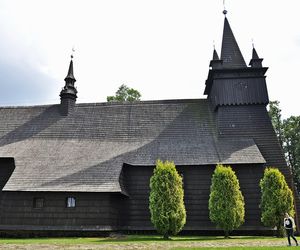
{"x":68,"y":94}
{"x":238,"y":96}
{"x":230,"y":81}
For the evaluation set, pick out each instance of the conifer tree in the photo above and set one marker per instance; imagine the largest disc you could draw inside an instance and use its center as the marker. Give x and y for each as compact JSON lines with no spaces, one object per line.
{"x":276,"y":199}
{"x":167,"y":208}
{"x":226,"y":202}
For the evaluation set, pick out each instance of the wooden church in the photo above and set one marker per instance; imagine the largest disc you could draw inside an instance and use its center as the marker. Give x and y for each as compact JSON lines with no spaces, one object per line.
{"x":86,"y":167}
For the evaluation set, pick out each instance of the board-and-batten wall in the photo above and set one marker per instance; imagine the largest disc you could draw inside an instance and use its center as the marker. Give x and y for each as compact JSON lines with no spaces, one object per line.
{"x":197,"y":181}
{"x":93,"y":211}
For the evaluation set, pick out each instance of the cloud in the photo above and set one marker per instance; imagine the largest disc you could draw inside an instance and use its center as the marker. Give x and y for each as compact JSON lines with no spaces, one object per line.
{"x":25,"y":86}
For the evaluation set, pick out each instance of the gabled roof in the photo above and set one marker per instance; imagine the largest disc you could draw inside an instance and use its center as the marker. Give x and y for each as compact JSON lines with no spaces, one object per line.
{"x":230,"y":53}
{"x":85,"y":151}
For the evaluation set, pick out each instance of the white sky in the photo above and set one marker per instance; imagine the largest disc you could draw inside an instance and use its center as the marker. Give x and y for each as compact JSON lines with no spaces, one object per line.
{"x":160,"y":47}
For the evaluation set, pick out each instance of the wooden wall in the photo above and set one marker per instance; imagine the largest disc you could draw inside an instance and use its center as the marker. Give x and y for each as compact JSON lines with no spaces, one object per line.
{"x":93,"y":211}
{"x":252,"y":121}
{"x":197,"y":181}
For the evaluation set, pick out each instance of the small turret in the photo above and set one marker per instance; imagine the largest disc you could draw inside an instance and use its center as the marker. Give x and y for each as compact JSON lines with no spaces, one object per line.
{"x":68,"y":94}
{"x":215,"y":63}
{"x":255,"y":62}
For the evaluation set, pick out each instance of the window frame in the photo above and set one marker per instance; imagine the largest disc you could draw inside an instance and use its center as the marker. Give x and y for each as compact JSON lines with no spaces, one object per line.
{"x":71,"y":202}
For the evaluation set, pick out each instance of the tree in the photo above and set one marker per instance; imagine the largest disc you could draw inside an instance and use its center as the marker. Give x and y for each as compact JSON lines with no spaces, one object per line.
{"x":226,"y":202}
{"x":275,"y":115}
{"x":167,"y":208}
{"x":288,"y":134}
{"x":291,"y":131}
{"x":125,"y":93}
{"x":276,"y":199}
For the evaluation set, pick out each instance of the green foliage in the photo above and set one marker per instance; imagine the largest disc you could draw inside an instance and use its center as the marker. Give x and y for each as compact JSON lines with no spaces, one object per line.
{"x":276,"y":199}
{"x":167,"y":208}
{"x":275,"y":115}
{"x":291,"y":130}
{"x":288,"y":133}
{"x":226,"y":202}
{"x":125,"y":93}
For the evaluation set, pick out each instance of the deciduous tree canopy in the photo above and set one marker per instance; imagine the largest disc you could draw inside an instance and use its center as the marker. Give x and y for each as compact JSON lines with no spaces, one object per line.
{"x":125,"y":93}
{"x":288,"y":133}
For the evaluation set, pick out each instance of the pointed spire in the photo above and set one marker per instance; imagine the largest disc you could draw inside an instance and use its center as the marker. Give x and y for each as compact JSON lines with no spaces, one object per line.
{"x":254,"y":54}
{"x":215,"y":62}
{"x":70,"y":75}
{"x":68,"y":94}
{"x":230,"y":54}
{"x":255,"y":62}
{"x":215,"y":55}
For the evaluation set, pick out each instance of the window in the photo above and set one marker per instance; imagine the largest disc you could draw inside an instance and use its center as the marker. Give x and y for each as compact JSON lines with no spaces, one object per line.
{"x":71,"y":202}
{"x":38,"y":202}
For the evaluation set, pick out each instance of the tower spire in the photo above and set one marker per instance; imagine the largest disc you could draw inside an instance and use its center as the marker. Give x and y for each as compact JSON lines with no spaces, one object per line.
{"x":68,"y":94}
{"x":70,"y":76}
{"x":230,"y":53}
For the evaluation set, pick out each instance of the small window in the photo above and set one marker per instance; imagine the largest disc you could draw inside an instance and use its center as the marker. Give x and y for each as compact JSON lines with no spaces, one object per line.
{"x":71,"y":202}
{"x":38,"y":202}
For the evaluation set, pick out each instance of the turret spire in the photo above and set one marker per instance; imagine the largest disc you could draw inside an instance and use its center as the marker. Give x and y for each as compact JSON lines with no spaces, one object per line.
{"x":255,"y":61}
{"x":68,"y":94}
{"x":70,"y":75}
{"x":215,"y":63}
{"x":215,"y":55}
{"x":230,"y":54}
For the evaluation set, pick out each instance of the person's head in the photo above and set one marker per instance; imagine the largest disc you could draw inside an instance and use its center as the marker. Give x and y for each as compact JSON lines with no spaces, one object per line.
{"x":286,"y":215}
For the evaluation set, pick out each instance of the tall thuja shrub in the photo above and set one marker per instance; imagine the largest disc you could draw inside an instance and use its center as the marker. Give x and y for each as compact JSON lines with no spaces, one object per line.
{"x":226,"y":202}
{"x":276,"y":199}
{"x":167,"y":208}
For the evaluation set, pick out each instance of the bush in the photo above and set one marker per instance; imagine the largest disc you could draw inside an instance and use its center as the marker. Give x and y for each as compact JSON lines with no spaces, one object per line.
{"x":226,"y":202}
{"x":276,"y":199}
{"x":167,"y":208}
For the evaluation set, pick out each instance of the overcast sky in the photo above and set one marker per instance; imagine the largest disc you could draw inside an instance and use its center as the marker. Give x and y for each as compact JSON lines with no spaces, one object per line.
{"x":160,"y":47}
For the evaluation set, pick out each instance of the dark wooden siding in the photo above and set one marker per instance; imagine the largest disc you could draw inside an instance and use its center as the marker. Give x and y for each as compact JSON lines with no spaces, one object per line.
{"x":93,"y":211}
{"x":197,"y":181}
{"x":252,"y":121}
{"x":239,"y":91}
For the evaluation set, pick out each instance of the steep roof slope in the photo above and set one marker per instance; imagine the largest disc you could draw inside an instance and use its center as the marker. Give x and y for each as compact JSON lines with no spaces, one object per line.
{"x":85,"y":151}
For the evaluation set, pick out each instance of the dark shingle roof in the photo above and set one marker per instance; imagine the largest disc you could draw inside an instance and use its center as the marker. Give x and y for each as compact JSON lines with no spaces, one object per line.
{"x":86,"y":150}
{"x":230,"y":53}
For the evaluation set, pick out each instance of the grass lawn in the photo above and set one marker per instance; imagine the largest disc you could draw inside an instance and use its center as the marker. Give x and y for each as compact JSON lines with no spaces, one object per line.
{"x":147,"y":242}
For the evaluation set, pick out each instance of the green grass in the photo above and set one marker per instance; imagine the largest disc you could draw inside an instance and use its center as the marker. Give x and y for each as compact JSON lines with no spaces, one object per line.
{"x":176,"y":243}
{"x":231,"y":248}
{"x":130,"y":238}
